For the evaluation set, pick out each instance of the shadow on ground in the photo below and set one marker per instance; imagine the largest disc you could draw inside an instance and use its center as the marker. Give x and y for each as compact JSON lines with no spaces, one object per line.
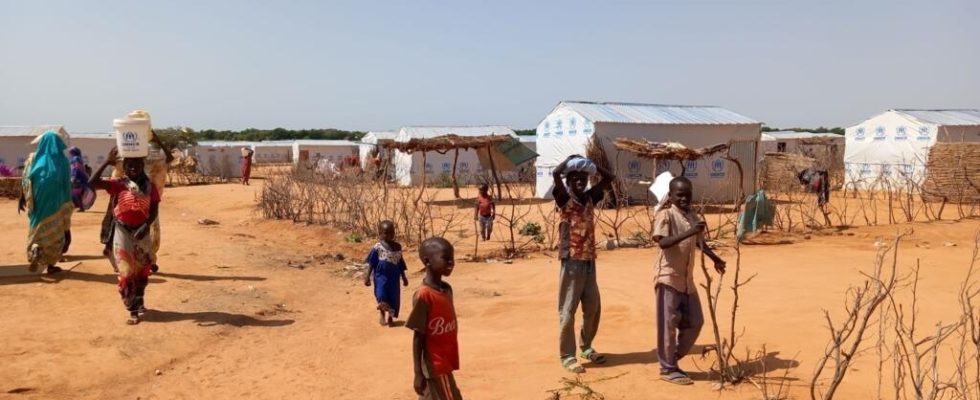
{"x":212,"y":318}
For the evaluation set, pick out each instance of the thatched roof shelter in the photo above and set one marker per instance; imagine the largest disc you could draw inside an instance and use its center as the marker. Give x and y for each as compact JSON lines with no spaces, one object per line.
{"x":666,"y":151}
{"x":444,"y":143}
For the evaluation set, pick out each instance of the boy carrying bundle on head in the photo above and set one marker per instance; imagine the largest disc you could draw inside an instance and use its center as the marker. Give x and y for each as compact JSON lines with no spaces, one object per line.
{"x":435,"y":351}
{"x":678,"y":231}
{"x":576,"y":250}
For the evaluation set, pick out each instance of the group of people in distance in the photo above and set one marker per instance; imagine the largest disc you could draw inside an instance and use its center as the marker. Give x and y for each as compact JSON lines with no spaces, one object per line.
{"x":53,"y":187}
{"x":678,"y":231}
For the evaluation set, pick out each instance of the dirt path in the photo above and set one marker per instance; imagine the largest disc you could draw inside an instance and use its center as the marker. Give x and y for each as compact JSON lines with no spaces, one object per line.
{"x":232,"y":318}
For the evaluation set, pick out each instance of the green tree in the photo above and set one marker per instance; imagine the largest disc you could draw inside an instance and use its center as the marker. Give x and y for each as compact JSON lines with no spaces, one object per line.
{"x":177,"y":138}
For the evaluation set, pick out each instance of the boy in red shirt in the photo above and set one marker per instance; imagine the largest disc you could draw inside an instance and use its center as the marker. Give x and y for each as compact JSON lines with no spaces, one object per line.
{"x":435,"y":351}
{"x":486,"y":212}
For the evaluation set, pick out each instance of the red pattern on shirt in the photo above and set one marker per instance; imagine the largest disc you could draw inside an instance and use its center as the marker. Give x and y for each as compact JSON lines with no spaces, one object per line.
{"x":132,"y":209}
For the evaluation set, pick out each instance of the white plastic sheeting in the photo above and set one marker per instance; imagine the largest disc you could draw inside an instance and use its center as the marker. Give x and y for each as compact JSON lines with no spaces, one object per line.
{"x":370,"y":142}
{"x":566,"y":131}
{"x":408,"y":168}
{"x":893,"y":147}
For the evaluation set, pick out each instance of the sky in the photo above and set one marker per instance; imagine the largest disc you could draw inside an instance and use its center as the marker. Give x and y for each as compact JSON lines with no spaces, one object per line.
{"x":370,"y":65}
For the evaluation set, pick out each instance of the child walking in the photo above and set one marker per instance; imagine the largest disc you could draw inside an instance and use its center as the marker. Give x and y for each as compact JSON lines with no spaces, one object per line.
{"x":435,"y":351}
{"x":486,"y":212}
{"x":576,"y":250}
{"x":136,"y":207}
{"x":385,"y":264}
{"x":678,"y":230}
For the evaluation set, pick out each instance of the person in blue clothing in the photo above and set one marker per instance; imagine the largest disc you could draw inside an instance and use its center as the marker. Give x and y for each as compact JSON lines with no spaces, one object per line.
{"x":386,"y":265}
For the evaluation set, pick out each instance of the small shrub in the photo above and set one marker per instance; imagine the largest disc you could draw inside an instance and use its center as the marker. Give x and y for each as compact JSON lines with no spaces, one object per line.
{"x":531,"y":229}
{"x":354,"y":237}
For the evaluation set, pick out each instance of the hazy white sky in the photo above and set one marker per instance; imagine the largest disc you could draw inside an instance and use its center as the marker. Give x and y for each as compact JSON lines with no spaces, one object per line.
{"x":383,"y":64}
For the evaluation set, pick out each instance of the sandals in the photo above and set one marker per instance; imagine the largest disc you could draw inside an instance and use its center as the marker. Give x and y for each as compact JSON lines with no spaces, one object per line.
{"x":677,"y":378}
{"x":133,"y":320}
{"x":593,"y":356}
{"x":53,"y":269}
{"x":572,"y":365}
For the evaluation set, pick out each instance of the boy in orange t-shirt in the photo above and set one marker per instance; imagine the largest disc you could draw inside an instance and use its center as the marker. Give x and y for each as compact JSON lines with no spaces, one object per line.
{"x":435,"y":351}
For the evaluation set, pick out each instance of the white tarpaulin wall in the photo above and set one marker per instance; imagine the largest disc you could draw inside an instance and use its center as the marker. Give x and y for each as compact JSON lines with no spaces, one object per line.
{"x":272,"y":152}
{"x":565,"y":132}
{"x":888,"y":147}
{"x":893,"y":147}
{"x":408,"y":167}
{"x":370,"y":142}
{"x":221,"y":159}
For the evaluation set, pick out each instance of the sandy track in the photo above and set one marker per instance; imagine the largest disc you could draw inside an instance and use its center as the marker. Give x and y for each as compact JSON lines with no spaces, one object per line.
{"x":231,"y":319}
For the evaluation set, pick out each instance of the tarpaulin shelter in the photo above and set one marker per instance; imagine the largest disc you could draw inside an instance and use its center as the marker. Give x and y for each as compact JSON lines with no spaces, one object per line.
{"x":409,"y":167}
{"x":496,"y":150}
{"x":891,"y":148}
{"x":572,"y":125}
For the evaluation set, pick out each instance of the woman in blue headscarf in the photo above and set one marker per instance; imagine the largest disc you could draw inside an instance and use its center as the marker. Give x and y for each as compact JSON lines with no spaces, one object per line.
{"x":47,"y":199}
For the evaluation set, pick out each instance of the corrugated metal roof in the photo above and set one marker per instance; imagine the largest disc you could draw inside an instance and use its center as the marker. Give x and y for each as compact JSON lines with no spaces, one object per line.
{"x":314,"y":142}
{"x":94,"y":135}
{"x":412,"y":132}
{"x":660,"y":114}
{"x":786,"y":135}
{"x":223,"y":143}
{"x":952,"y":117}
{"x":274,"y":143}
{"x":14,"y":131}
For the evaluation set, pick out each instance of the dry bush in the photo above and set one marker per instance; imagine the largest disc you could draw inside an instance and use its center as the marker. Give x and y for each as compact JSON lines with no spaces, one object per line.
{"x":908,"y":353}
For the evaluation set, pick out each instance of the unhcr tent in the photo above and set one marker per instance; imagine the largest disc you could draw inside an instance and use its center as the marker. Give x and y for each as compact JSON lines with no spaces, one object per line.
{"x":571,"y":126}
{"x":892,"y":147}
{"x":15,"y":142}
{"x":371,"y":141}
{"x":408,"y":167}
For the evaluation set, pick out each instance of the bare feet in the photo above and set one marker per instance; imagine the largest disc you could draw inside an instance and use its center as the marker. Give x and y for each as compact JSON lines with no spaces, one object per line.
{"x":133,"y":319}
{"x":391,"y":321}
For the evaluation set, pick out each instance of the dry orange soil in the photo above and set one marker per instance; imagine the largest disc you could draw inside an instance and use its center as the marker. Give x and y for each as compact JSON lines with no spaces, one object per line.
{"x":233,"y":317}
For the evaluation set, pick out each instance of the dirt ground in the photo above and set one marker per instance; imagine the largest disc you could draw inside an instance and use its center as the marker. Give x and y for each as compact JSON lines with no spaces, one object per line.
{"x":233,"y":315}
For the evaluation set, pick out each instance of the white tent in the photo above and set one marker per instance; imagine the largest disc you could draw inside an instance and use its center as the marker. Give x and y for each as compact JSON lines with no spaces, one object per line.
{"x":370,"y":142}
{"x":794,"y":142}
{"x":569,"y":127}
{"x":94,"y":146}
{"x":310,"y":152}
{"x":219,"y":158}
{"x":272,"y":151}
{"x":894,"y":145}
{"x":15,"y":142}
{"x":408,"y":167}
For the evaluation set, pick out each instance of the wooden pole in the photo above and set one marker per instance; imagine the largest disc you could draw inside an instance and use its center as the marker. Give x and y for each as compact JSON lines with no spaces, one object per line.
{"x":417,"y":200}
{"x":493,"y":170}
{"x":455,"y":182}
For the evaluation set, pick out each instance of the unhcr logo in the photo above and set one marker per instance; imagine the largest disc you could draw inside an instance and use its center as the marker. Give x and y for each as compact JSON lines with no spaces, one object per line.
{"x":691,"y":169}
{"x":634,"y":167}
{"x":859,"y":135}
{"x":901,"y":134}
{"x":880,"y":133}
{"x":718,"y":168}
{"x":923,"y":134}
